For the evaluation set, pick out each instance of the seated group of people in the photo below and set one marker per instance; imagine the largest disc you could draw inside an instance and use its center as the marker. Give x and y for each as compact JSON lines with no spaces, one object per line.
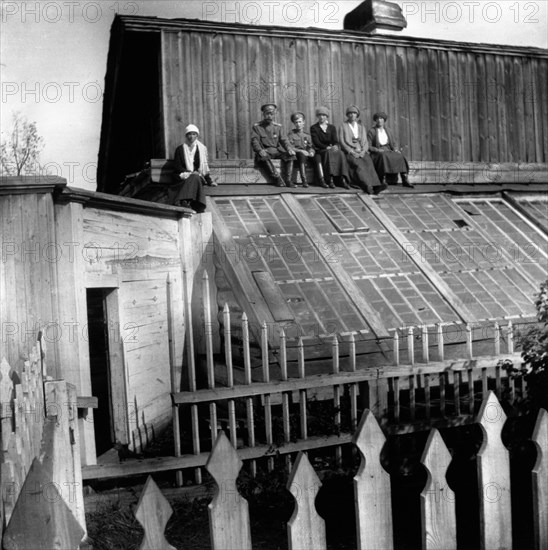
{"x":349,"y":157}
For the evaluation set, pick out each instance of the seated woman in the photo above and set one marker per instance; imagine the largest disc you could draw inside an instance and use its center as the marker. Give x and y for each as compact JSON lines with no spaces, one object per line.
{"x":191,"y":172}
{"x":387,"y":160}
{"x":330,"y":160}
{"x":354,"y":144}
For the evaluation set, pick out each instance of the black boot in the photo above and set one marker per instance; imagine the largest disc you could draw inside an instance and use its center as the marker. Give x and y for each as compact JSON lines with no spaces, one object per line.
{"x":344,"y":181}
{"x":274,"y":174}
{"x":405,"y":181}
{"x":302,"y":171}
{"x":287,"y":171}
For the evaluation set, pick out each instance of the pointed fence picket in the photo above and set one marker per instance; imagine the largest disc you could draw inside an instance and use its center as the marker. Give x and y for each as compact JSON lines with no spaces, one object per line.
{"x":228,"y":511}
{"x":153,"y":512}
{"x":540,"y":481}
{"x":494,"y":479}
{"x":372,"y":488}
{"x":439,"y":529}
{"x":306,"y":528}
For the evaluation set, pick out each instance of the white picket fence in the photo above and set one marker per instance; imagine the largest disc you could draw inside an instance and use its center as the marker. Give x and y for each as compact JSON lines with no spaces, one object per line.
{"x":229,"y":517}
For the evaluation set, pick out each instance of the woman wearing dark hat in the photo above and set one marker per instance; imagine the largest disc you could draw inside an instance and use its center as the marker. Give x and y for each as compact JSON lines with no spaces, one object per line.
{"x":382,"y":146}
{"x":330,"y":160}
{"x":354,"y":144}
{"x":191,"y":172}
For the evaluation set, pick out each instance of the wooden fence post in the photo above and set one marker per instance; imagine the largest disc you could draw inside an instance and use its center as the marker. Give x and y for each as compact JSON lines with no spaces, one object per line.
{"x":494,"y":479}
{"x":228,"y":511}
{"x":305,"y":529}
{"x":372,"y":488}
{"x":540,"y":481}
{"x":153,"y":512}
{"x":439,"y":527}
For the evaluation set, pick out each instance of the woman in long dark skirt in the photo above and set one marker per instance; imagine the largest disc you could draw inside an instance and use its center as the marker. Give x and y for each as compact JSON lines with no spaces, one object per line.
{"x":388,"y":161}
{"x":191,"y":172}
{"x":353,"y":138}
{"x":330,"y":160}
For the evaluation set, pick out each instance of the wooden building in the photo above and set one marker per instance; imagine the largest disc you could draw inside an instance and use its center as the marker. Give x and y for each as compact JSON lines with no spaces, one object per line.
{"x":449,"y":102}
{"x":113,"y":280}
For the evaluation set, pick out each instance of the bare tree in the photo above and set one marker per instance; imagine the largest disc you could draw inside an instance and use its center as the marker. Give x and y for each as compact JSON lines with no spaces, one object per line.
{"x":19,"y":153}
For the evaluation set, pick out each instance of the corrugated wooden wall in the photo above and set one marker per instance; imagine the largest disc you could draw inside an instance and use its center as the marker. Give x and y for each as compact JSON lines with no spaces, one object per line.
{"x":444,"y":104}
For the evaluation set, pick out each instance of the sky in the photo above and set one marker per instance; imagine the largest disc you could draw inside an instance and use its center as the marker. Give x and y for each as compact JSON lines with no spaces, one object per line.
{"x":53,"y":54}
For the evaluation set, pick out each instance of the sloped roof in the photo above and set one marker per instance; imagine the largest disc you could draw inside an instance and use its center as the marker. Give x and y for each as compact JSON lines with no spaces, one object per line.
{"x":347,"y":263}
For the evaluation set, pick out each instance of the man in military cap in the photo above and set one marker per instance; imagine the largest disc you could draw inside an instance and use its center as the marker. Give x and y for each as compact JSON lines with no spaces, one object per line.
{"x":269,"y":142}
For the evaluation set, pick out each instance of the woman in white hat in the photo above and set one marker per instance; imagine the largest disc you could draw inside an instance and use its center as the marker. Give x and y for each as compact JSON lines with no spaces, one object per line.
{"x":191,"y":172}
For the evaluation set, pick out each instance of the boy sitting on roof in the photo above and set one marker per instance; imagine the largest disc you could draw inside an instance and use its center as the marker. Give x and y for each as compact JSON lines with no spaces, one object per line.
{"x":269,"y":142}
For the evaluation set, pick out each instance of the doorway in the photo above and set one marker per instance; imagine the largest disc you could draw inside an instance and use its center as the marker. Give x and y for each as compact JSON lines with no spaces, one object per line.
{"x":100,"y":368}
{"x":107,"y":371}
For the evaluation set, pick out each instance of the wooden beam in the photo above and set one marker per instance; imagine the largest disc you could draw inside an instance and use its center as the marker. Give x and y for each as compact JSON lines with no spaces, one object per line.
{"x":519,"y":207}
{"x":348,"y":284}
{"x":87,"y":402}
{"x":429,"y":272}
{"x":335,"y":379}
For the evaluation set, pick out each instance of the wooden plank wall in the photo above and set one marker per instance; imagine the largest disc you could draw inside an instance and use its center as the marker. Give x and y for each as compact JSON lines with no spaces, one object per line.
{"x":142,"y":251}
{"x":27,"y":272}
{"x":136,"y":253}
{"x":444,"y":104}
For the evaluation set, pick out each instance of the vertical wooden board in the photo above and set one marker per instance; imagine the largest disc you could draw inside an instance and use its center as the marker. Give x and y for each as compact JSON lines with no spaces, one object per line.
{"x":10,"y":221}
{"x":168,"y":108}
{"x":210,"y":116}
{"x":382,"y":82}
{"x":423,"y":89}
{"x":72,"y":304}
{"x":255,"y":87}
{"x":413,"y":90}
{"x":529,"y":99}
{"x":360,"y":81}
{"x":539,"y":122}
{"x":220,"y":150}
{"x":543,"y":106}
{"x":459,"y":88}
{"x":290,"y":83}
{"x":392,"y":93}
{"x":372,"y":494}
{"x":336,"y":84}
{"x":502,"y":119}
{"x":370,"y":86}
{"x":302,"y":82}
{"x":439,"y":528}
{"x":229,"y":90}
{"x":540,"y":481}
{"x":434,"y":84}
{"x":306,"y":528}
{"x":483,"y":113}
{"x":493,"y":463}
{"x":519,"y":110}
{"x":324,"y":76}
{"x":472,"y":101}
{"x":492,"y":114}
{"x":453,"y":101}
{"x":403,"y":99}
{"x":349,"y":93}
{"x":313,"y":79}
{"x":228,"y":511}
{"x":242,"y":87}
